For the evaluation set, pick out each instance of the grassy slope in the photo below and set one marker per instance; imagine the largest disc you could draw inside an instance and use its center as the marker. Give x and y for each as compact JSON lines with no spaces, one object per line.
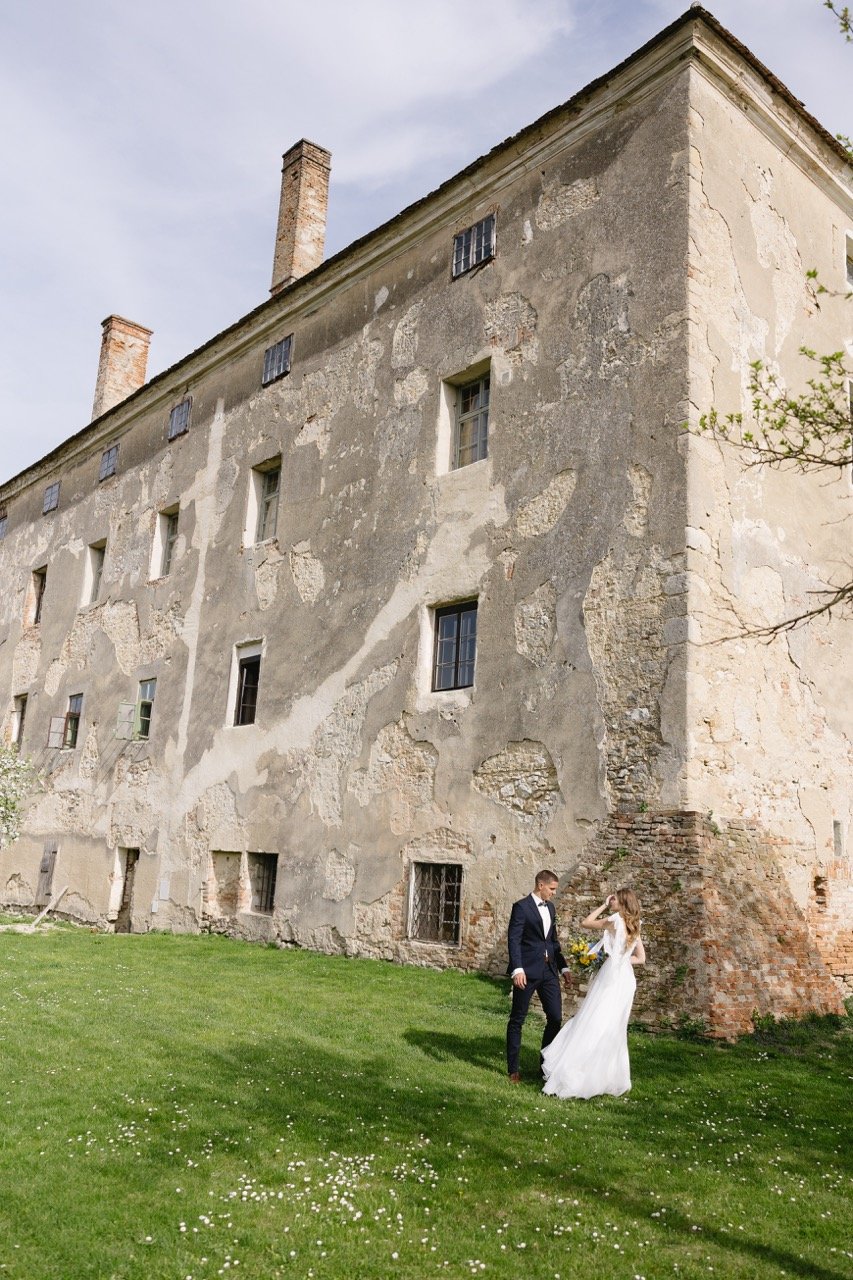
{"x":194,"y":1107}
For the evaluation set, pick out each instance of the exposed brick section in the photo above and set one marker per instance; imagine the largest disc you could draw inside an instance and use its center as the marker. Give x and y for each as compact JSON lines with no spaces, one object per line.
{"x":724,"y":935}
{"x":123,"y":363}
{"x":829,"y":917}
{"x":301,"y":236}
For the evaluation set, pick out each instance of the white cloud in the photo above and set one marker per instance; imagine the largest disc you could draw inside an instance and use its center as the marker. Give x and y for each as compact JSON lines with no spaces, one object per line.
{"x":141,"y":170}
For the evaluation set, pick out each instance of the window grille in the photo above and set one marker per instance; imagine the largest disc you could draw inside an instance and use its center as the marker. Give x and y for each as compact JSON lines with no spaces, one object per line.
{"x":474,"y":245}
{"x":51,"y":498}
{"x":248,"y":679}
{"x":270,"y":484}
{"x":109,"y":463}
{"x":179,"y":418}
{"x":436,"y":902}
{"x":39,"y":585}
{"x":277,"y":360}
{"x":263,"y":871}
{"x":455,"y":646}
{"x":472,"y":422}
{"x":4,"y":521}
{"x":144,"y":708}
{"x":170,"y":536}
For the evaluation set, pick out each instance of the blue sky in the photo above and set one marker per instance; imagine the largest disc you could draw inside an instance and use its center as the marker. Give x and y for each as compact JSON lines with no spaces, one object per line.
{"x":142,"y":148}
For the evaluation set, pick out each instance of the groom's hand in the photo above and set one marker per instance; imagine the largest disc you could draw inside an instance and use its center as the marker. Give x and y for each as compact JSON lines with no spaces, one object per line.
{"x":519,"y":979}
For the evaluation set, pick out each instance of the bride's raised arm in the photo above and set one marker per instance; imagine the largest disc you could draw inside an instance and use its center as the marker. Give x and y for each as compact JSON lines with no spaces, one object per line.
{"x":594,"y":920}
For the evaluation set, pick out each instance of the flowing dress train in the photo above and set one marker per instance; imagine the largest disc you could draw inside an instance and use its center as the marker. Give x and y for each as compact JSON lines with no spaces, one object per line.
{"x":589,"y":1055}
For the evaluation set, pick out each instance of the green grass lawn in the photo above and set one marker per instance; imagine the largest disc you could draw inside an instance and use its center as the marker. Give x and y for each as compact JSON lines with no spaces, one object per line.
{"x":195,"y":1107}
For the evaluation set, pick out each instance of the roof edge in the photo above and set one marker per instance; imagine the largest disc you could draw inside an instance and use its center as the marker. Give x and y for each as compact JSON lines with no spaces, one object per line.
{"x":571,"y":105}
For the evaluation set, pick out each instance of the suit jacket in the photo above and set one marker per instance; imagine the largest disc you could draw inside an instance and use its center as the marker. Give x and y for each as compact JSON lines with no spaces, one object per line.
{"x":529,"y":943}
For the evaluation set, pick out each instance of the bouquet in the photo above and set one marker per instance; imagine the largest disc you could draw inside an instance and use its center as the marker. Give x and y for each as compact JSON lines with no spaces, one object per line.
{"x":586,"y":957}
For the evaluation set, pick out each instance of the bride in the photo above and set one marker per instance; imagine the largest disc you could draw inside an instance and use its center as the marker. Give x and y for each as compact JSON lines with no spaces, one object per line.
{"x":590,"y":1054}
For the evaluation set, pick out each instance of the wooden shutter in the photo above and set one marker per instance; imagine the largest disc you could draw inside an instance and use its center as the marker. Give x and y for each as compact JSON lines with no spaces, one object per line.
{"x":45,"y":884}
{"x":125,"y":720}
{"x":56,"y":736}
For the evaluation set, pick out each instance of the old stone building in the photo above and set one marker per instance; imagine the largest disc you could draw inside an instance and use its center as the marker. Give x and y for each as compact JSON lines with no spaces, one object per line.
{"x":408,"y":582}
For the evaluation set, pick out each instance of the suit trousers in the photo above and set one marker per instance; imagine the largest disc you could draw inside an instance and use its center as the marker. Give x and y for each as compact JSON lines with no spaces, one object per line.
{"x":548,"y":987}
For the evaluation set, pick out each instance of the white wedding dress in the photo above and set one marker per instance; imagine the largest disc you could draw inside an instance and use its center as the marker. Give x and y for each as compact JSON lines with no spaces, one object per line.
{"x":590,"y":1054}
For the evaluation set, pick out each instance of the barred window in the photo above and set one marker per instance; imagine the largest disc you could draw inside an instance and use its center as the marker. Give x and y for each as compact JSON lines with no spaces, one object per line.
{"x":109,"y":463}
{"x":179,"y":418}
{"x":436,"y":901}
{"x":474,"y":245}
{"x":277,"y":360}
{"x":472,"y":423}
{"x":51,"y":498}
{"x":455,"y":646}
{"x":263,"y":871}
{"x":4,"y":521}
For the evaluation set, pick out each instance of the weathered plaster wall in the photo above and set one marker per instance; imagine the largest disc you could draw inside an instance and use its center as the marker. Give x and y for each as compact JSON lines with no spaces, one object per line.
{"x":770,"y":726}
{"x":569,"y":534}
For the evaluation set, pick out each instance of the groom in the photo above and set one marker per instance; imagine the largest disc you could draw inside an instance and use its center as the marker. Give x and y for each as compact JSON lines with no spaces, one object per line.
{"x":535,"y":962}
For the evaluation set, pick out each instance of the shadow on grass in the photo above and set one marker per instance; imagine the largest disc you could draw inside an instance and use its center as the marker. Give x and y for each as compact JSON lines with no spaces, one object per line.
{"x":453,"y":1117}
{"x":488,"y":1052}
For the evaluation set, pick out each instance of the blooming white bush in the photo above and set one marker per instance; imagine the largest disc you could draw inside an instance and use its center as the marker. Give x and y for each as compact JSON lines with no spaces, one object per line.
{"x":16,"y":780}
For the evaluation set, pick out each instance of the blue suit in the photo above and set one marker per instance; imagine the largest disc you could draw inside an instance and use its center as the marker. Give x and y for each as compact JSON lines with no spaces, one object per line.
{"x":537,"y":951}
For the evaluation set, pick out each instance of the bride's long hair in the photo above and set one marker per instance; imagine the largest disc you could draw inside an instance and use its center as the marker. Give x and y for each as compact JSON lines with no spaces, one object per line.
{"x":628,"y":906}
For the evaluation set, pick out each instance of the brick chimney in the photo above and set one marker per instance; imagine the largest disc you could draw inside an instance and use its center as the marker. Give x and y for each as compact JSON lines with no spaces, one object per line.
{"x":301,"y":234}
{"x":121,"y":368}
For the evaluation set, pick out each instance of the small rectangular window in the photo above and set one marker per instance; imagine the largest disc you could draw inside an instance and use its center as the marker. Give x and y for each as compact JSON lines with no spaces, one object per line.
{"x":109,"y":463}
{"x":248,"y":680}
{"x":436,"y":902}
{"x":269,"y":485}
{"x":849,"y":262}
{"x":474,"y":245}
{"x":263,"y":871}
{"x":455,"y":646}
{"x":472,"y":422}
{"x":72,"y":721}
{"x":19,"y":715}
{"x":4,"y":521}
{"x":169,"y":532}
{"x":39,"y":586}
{"x":144,"y":708}
{"x":179,"y":418}
{"x":94,"y":572}
{"x":277,"y":360}
{"x":51,"y":498}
